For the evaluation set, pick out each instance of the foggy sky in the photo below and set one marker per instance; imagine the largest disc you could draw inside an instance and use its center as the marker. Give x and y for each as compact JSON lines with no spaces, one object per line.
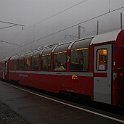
{"x":44,"y":17}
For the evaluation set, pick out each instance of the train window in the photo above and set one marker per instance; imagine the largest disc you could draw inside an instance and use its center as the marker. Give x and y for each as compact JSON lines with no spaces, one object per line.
{"x":60,"y":61}
{"x":35,"y":62}
{"x":46,"y":58}
{"x":102,"y":55}
{"x":80,"y":55}
{"x":21,"y":64}
{"x":79,"y":59}
{"x":60,"y":57}
{"x":46,"y":62}
{"x":27,"y":63}
{"x":14,"y":63}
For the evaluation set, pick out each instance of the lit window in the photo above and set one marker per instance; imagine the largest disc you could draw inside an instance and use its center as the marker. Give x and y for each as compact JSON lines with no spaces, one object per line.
{"x":102,"y":55}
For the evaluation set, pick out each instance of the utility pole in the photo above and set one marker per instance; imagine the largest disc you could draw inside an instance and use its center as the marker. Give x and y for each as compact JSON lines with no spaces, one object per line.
{"x":121,"y":21}
{"x":97,"y":27}
{"x":79,"y":31}
{"x":11,"y":24}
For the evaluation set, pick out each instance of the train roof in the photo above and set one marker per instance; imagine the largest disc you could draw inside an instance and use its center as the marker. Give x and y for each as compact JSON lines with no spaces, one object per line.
{"x":5,"y":59}
{"x":109,"y":36}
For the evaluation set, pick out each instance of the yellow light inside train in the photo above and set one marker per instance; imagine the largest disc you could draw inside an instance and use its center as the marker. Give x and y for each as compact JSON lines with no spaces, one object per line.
{"x":74,"y":77}
{"x":104,"y":52}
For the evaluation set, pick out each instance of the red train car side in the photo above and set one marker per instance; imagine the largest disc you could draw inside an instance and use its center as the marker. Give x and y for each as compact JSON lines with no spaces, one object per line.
{"x":93,"y":67}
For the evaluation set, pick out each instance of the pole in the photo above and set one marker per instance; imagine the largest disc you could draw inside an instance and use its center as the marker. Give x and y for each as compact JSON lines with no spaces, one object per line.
{"x":79,"y":31}
{"x":97,"y":27}
{"x":121,"y":19}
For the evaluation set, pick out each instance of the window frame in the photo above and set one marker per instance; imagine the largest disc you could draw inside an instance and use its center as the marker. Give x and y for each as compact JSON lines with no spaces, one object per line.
{"x":62,"y":68}
{"x":34,"y":56}
{"x":76,"y":70}
{"x":106,"y":67}
{"x":61,"y":48}
{"x":41,"y":61}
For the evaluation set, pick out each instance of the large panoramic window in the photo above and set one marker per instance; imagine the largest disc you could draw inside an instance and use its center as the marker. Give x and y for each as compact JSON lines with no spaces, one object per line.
{"x":46,"y":62}
{"x":35,"y":62}
{"x":60,"y":61}
{"x":102,"y":55}
{"x":79,"y":59}
{"x":80,"y":55}
{"x":28,"y":63}
{"x":60,"y":57}
{"x":46,"y":58}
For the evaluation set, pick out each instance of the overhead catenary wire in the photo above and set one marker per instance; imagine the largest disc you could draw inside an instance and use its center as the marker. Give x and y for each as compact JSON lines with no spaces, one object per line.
{"x":2,"y":41}
{"x":60,"y":12}
{"x":8,"y":26}
{"x":79,"y":23}
{"x":11,"y":24}
{"x":45,"y":19}
{"x":61,"y":30}
{"x":54,"y":33}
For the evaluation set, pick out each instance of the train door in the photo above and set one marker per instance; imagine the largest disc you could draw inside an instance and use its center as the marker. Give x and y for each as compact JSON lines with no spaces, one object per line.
{"x":102,"y":73}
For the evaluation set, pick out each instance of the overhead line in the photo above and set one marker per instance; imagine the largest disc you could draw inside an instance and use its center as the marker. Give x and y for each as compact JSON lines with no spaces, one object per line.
{"x":47,"y":18}
{"x":44,"y":37}
{"x":54,"y":33}
{"x":2,"y":41}
{"x":79,"y":23}
{"x":8,"y":26}
{"x":14,"y":24}
{"x":11,"y":23}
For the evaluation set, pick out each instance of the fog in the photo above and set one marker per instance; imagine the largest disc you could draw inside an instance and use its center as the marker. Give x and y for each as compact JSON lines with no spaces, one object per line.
{"x":51,"y":21}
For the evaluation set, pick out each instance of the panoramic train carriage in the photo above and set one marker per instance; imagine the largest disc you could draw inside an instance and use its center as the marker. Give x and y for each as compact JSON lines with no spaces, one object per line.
{"x":93,"y":67}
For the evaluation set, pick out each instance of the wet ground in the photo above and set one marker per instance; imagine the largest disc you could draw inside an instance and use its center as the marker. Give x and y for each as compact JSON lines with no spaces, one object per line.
{"x":8,"y":116}
{"x":39,"y":109}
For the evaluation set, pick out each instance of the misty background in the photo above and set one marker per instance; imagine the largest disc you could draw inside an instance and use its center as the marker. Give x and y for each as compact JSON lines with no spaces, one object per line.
{"x":26,"y":25}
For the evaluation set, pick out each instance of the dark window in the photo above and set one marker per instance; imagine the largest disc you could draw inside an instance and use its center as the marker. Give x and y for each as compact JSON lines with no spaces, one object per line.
{"x":28,"y":63}
{"x":60,"y":61}
{"x":46,"y":62}
{"x":60,"y":54}
{"x":80,"y":55}
{"x":35,"y":62}
{"x":79,"y":59}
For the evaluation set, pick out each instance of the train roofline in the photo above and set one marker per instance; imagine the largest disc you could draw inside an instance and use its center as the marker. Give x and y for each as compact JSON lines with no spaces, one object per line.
{"x":105,"y":37}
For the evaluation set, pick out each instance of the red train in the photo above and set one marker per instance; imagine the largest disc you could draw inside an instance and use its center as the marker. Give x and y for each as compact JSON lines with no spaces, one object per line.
{"x":93,"y":67}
